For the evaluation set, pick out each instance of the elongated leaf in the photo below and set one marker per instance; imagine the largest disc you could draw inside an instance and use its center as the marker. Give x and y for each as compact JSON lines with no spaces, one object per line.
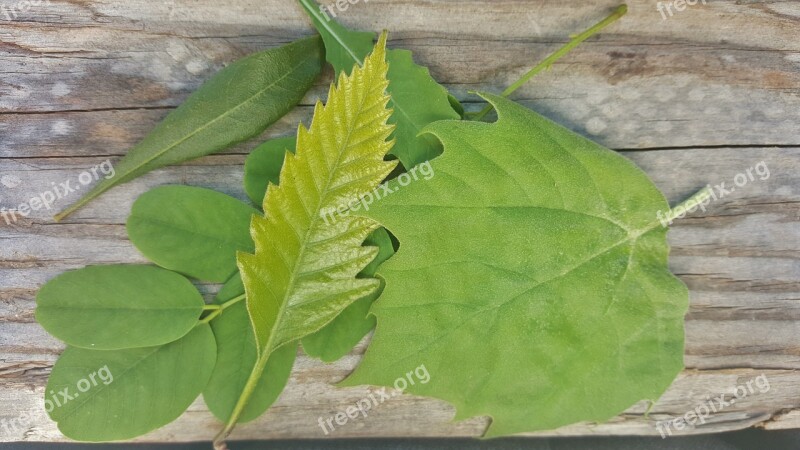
{"x":191,"y":230}
{"x":263,"y":166}
{"x":417,"y":99}
{"x":548,"y":300}
{"x":238,"y":103}
{"x":339,"y":337}
{"x":303,"y":272}
{"x":236,"y":357}
{"x":115,"y":307}
{"x":121,"y":394}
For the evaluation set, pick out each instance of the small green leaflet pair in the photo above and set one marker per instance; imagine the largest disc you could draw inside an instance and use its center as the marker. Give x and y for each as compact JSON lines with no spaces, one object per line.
{"x":531,"y":278}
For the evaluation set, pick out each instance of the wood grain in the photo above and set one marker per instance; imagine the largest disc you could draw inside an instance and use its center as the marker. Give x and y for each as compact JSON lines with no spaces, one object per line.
{"x":695,"y":99}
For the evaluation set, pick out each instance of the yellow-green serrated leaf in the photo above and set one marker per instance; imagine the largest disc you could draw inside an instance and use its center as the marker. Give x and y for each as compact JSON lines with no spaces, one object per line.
{"x":303,"y":271}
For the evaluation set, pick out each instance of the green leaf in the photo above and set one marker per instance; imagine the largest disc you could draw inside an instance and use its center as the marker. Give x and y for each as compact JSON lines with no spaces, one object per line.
{"x":120,"y":306}
{"x":417,"y":99}
{"x":456,"y":105}
{"x":303,"y":271}
{"x":339,"y":337}
{"x":191,"y":230}
{"x":122,"y":394}
{"x":240,"y":102}
{"x":236,"y":357}
{"x":263,"y":166}
{"x":548,"y":300}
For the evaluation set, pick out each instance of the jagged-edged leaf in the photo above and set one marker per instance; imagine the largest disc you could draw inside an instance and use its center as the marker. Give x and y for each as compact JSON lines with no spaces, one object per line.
{"x":303,"y":271}
{"x":417,"y":99}
{"x":191,"y":230}
{"x":263,"y":166}
{"x":236,"y":357}
{"x":548,"y":299}
{"x":102,"y":395}
{"x":236,"y":104}
{"x":339,"y":337}
{"x":118,"y":306}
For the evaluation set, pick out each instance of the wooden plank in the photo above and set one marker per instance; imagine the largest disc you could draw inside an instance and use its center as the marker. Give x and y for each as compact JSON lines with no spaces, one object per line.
{"x":712,"y":92}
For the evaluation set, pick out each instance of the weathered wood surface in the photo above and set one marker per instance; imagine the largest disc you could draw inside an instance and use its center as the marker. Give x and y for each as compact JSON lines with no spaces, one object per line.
{"x":697,"y":98}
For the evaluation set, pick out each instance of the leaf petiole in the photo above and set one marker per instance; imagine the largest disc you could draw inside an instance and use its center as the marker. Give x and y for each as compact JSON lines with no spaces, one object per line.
{"x":548,"y":62}
{"x":216,"y":310}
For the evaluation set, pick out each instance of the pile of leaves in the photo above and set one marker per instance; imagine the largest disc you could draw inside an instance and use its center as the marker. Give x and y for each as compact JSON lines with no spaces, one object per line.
{"x":530,"y":271}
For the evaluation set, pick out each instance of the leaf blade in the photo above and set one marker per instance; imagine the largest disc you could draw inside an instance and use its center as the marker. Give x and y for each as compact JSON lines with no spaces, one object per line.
{"x":149,"y":388}
{"x":191,"y":230}
{"x":89,"y":307}
{"x":217,"y":116}
{"x":340,"y":157}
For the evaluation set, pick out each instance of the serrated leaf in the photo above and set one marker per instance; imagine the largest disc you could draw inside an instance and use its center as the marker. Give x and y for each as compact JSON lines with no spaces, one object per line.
{"x":118,"y":306}
{"x":338,"y":338}
{"x":417,"y":99}
{"x":121,"y":394}
{"x":236,"y":356}
{"x":191,"y":230}
{"x":548,"y":301}
{"x":238,"y":103}
{"x":263,"y":166}
{"x":303,"y":271}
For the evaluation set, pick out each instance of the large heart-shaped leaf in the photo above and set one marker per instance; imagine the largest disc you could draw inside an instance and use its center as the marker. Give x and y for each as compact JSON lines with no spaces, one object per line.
{"x":548,"y":299}
{"x":191,"y":230}
{"x":236,"y":357}
{"x":121,"y":306}
{"x":97,"y":395}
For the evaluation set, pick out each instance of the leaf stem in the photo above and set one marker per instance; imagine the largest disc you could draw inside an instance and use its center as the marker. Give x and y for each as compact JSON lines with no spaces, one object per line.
{"x":218,"y":309}
{"x":547,"y":62}
{"x":700,"y":197}
{"x":247,"y":391}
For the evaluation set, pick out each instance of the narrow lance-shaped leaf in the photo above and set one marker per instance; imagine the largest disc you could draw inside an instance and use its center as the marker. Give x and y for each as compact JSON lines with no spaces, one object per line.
{"x":115,"y":307}
{"x":550,"y":302}
{"x":237,"y":104}
{"x":303,"y":271}
{"x":417,"y":99}
{"x":191,"y":230}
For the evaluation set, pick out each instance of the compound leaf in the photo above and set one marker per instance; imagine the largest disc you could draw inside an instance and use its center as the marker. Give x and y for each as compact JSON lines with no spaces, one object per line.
{"x":191,"y":230}
{"x":548,"y":300}
{"x":236,"y":356}
{"x":122,"y":394}
{"x":238,"y":103}
{"x":118,"y":306}
{"x":417,"y":99}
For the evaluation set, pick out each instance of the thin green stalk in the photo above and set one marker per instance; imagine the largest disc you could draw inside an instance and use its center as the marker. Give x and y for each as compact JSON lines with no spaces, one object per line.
{"x":218,"y":309}
{"x":547,"y":62}
{"x":699,"y":198}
